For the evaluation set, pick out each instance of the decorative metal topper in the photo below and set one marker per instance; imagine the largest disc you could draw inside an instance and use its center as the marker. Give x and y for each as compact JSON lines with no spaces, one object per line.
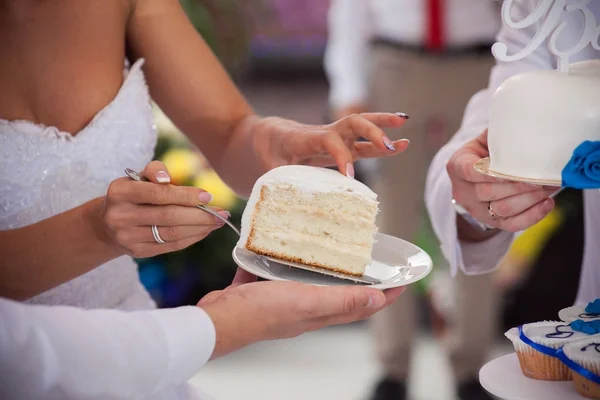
{"x":552,"y":10}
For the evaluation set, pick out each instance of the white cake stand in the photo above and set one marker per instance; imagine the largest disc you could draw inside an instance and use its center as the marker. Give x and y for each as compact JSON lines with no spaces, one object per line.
{"x":503,"y":378}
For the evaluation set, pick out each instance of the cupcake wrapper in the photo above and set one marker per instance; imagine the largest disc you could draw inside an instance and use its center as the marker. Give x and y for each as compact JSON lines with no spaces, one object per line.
{"x":584,"y":386}
{"x":536,"y":365}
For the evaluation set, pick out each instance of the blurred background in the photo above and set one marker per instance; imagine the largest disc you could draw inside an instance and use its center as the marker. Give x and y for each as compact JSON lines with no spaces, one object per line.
{"x":275,"y":50}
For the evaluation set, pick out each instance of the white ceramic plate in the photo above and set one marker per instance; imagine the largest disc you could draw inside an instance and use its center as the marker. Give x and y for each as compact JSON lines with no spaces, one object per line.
{"x":396,"y":262}
{"x":503,"y":378}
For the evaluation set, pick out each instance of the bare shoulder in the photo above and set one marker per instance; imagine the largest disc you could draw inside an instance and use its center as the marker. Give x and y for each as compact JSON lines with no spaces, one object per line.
{"x":49,"y":47}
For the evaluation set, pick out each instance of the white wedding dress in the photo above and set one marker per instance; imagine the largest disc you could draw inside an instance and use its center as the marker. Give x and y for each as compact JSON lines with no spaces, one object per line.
{"x":44,"y":172}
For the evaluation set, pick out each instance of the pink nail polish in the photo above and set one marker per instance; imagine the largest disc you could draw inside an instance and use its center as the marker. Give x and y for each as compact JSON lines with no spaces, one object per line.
{"x":163,"y":177}
{"x":205,"y":197}
{"x":388,"y":143}
{"x":350,"y":170}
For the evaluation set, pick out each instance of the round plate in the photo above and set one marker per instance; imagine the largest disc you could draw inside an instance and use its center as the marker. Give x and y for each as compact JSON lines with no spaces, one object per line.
{"x":483,"y":166}
{"x":503,"y":378}
{"x":395,"y":263}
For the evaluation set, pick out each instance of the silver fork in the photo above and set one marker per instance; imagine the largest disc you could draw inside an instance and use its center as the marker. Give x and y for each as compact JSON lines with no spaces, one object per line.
{"x":137,"y":177}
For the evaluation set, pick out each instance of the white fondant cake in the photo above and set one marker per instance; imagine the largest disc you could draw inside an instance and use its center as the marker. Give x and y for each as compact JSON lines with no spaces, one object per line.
{"x":312,"y":216}
{"x":539,"y":118}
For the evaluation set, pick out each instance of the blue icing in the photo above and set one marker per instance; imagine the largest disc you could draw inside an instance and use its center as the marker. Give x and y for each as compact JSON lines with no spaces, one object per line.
{"x":583,"y":169}
{"x":593,"y":307}
{"x":591,"y":327}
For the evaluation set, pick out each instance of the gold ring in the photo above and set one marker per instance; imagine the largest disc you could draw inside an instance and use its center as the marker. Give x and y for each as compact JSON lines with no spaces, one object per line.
{"x":492,"y":213}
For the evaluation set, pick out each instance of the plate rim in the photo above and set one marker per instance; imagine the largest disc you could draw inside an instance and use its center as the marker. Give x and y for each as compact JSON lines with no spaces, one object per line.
{"x":381,"y":286}
{"x":483,"y":167}
{"x":512,"y":357}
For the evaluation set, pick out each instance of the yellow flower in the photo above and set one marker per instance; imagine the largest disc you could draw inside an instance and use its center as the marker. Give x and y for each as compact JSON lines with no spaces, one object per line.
{"x":182,"y":164}
{"x":223,"y":196}
{"x":531,"y":242}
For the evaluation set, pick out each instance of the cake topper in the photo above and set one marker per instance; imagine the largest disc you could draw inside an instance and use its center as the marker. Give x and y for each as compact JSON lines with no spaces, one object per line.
{"x":548,"y":14}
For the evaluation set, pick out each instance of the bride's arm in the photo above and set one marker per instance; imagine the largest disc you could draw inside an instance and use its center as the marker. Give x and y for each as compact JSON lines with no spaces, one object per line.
{"x":40,"y":256}
{"x":190,"y":85}
{"x":192,"y":88}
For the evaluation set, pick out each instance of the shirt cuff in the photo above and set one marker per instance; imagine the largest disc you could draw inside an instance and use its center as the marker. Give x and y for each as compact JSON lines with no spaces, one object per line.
{"x":483,"y":257}
{"x":191,"y":339}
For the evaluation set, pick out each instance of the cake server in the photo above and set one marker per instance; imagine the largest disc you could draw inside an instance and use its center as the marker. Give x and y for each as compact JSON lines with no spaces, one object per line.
{"x":362,"y":279}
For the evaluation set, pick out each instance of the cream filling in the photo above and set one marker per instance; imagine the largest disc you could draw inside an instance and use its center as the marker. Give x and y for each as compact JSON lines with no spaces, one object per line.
{"x":309,"y":250}
{"x":284,"y":238}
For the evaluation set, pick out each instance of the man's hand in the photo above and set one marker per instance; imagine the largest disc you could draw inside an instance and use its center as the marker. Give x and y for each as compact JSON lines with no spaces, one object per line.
{"x":252,"y":312}
{"x":517,"y":206}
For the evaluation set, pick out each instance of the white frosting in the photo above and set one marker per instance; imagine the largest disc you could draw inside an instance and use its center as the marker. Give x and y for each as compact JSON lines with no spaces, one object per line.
{"x":538,"y":118}
{"x":306,"y":178}
{"x":571,"y":314}
{"x":537,"y":332}
{"x":575,"y":352}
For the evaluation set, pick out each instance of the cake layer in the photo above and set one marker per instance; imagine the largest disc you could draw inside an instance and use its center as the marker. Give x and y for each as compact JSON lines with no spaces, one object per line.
{"x":310,"y":251}
{"x":286,"y":236}
{"x":338,"y":226}
{"x":539,"y":118}
{"x":338,"y":204}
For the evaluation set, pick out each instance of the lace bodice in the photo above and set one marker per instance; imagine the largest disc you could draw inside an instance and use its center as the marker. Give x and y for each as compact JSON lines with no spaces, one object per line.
{"x":44,"y":172}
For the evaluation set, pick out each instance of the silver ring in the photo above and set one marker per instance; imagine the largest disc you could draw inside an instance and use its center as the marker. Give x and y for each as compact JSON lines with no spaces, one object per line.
{"x":492,"y":213}
{"x":156,"y":235}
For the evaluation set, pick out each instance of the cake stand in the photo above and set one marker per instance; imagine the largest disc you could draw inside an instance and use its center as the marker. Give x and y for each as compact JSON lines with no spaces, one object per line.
{"x":503,"y":378}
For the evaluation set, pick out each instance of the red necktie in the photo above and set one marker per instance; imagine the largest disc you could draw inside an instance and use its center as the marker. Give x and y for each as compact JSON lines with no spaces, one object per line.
{"x":435,"y":25}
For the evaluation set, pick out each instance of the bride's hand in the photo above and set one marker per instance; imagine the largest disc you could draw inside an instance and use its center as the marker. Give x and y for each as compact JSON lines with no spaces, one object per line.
{"x":131,"y":208}
{"x":283,"y":142}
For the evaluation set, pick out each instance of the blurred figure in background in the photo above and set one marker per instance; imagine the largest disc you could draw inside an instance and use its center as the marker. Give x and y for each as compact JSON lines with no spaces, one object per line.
{"x":425,"y":58}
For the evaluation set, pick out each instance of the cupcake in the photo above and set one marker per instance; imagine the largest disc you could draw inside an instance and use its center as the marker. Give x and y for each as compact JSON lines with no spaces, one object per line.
{"x":589,"y":312}
{"x":537,"y":344}
{"x":582,"y":357}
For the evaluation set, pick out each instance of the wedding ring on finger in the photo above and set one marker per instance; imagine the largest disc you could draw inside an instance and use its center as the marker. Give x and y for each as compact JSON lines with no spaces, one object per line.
{"x":156,"y":235}
{"x":492,"y":213}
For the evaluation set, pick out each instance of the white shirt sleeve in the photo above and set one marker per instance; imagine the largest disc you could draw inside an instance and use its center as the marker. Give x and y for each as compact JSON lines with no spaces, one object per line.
{"x":68,"y":353}
{"x":480,"y":257}
{"x":346,"y":56}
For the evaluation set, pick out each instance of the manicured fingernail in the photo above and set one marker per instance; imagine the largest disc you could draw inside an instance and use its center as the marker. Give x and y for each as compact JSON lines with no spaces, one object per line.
{"x":163,"y":177}
{"x":402,"y":115}
{"x":350,"y":170}
{"x":205,"y":197}
{"x":225,"y":214}
{"x":388,"y":143}
{"x":376,"y":301}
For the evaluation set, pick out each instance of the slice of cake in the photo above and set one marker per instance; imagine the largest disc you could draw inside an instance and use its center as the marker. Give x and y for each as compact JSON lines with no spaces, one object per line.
{"x":311,"y":216}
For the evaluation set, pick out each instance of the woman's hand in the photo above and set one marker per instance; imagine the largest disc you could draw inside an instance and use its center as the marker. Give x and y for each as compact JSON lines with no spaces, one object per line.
{"x":131,"y":208}
{"x":279,"y":141}
{"x":516,"y":206}
{"x":247,"y":313}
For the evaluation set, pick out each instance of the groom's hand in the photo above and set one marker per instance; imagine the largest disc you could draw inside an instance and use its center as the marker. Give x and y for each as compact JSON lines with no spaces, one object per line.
{"x":517,"y":206}
{"x":260,"y":311}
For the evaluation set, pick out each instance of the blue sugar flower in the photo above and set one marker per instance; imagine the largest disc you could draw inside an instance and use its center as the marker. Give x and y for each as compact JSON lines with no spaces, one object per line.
{"x":583,"y":169}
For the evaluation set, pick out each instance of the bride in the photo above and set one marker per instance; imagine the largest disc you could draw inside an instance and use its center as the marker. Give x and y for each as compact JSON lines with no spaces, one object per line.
{"x":72,"y":118}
